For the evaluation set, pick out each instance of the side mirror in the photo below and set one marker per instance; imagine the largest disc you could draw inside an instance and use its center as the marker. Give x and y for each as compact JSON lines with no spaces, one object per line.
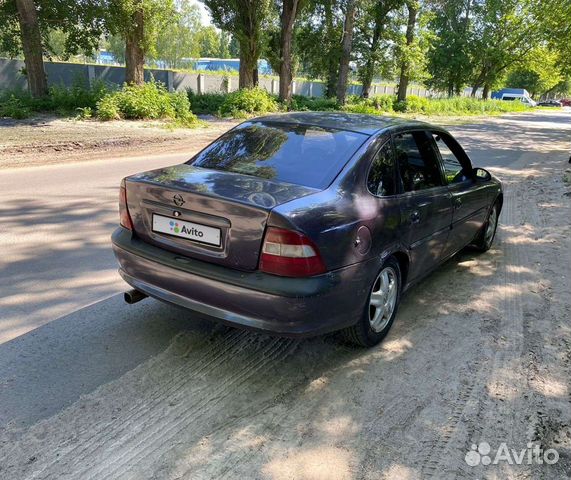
{"x":481,"y":174}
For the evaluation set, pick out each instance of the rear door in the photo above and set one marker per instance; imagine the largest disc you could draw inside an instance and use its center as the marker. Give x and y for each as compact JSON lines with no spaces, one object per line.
{"x":469,"y":198}
{"x":426,"y":211}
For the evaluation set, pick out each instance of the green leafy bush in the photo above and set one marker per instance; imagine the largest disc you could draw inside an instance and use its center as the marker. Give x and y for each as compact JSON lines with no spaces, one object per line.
{"x":246,"y":102}
{"x":68,"y":99}
{"x":384,"y":102}
{"x":412,"y":104}
{"x":13,"y":107}
{"x":317,"y":104}
{"x":148,"y":101}
{"x":206,"y":103}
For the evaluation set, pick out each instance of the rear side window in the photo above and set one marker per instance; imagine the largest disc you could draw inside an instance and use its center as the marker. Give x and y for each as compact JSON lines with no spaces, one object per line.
{"x":417,"y":163}
{"x":381,"y":179}
{"x":299,"y":154}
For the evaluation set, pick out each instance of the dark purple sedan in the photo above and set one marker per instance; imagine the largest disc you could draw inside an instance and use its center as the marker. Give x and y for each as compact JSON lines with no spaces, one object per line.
{"x":305,"y":223}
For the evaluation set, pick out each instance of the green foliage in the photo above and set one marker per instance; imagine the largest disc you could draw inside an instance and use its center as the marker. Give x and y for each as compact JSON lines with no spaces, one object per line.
{"x":300,"y":103}
{"x":540,"y":72}
{"x":248,"y":101}
{"x":13,"y":107}
{"x":60,"y":99}
{"x":207,"y":103}
{"x":412,"y":104}
{"x":79,"y":95}
{"x":457,"y":106}
{"x":79,"y":26}
{"x":148,"y":101}
{"x":120,"y":19}
{"x":384,"y":103}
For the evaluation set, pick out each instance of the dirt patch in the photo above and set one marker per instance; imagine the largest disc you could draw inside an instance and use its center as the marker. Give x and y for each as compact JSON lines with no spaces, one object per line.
{"x":46,"y":140}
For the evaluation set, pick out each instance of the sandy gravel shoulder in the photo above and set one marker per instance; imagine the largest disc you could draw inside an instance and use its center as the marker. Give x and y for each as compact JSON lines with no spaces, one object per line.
{"x":480,"y":352}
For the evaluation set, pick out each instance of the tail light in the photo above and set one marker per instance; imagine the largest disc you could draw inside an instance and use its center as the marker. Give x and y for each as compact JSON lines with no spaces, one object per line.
{"x":124,"y":217}
{"x":290,"y":254}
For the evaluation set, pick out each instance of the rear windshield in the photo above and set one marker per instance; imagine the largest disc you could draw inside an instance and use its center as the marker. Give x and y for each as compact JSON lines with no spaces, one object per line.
{"x":300,"y":154}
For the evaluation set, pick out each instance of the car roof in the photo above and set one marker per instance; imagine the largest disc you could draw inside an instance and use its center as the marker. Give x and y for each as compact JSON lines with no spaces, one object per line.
{"x":367,"y":124}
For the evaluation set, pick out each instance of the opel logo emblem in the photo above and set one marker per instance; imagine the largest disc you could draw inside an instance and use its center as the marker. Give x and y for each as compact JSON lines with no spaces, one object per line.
{"x":178,"y":200}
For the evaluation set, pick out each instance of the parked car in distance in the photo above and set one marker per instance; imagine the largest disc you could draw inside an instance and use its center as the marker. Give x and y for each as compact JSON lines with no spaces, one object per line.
{"x":305,"y":223}
{"x":550,"y":103}
{"x":565,"y":102}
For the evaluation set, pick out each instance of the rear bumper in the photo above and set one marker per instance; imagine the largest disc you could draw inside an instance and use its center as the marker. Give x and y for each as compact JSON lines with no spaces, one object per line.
{"x":286,"y":306}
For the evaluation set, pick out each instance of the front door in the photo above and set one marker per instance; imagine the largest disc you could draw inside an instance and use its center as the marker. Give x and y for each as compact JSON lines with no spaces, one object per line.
{"x":469,"y":197}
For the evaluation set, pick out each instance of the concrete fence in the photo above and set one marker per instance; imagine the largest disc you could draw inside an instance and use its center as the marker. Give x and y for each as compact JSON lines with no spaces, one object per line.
{"x":68,"y":74}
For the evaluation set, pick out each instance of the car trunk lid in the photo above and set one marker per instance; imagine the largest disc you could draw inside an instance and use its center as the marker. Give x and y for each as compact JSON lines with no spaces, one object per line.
{"x":221,"y":216}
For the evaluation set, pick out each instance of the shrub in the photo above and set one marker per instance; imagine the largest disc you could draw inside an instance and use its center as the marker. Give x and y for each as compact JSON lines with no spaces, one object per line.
{"x":107,"y":108}
{"x":318,"y":104}
{"x":246,"y":102}
{"x":383,"y":102}
{"x":362,"y":107}
{"x":79,"y":95}
{"x":148,"y":101}
{"x":13,"y":107}
{"x":412,"y":104}
{"x":206,"y":103}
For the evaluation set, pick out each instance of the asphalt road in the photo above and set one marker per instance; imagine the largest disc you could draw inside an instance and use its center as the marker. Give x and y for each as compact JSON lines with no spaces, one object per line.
{"x":68,"y":342}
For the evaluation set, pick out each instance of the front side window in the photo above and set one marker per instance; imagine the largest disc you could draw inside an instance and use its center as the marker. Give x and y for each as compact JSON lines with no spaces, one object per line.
{"x":417,"y":163}
{"x":300,"y":154}
{"x":453,"y":170}
{"x":381,"y":179}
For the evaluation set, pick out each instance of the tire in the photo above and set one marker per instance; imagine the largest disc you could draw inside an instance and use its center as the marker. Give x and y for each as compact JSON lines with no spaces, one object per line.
{"x":378,"y":317}
{"x":487,"y":233}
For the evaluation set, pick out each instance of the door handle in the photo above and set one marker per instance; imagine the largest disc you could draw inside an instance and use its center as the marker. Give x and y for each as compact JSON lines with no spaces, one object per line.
{"x":457,"y":203}
{"x":415,"y":216}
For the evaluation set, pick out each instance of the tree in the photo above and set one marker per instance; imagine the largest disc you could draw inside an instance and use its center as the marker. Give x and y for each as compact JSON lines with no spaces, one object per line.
{"x":244,"y":20}
{"x":404,"y":78}
{"x":290,"y":11}
{"x":371,"y":43}
{"x":181,"y":41}
{"x":32,"y":46}
{"x":208,"y":40}
{"x":319,"y":41}
{"x":26,"y":26}
{"x":505,"y":33}
{"x":138,"y":22}
{"x":450,"y":61}
{"x":539,"y":73}
{"x":346,"y":45}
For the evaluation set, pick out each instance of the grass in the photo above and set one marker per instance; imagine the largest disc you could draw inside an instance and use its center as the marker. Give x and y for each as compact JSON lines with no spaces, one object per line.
{"x":257,"y":101}
{"x":153,"y":101}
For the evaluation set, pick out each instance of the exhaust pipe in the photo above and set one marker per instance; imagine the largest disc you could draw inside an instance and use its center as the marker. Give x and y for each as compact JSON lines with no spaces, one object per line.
{"x":134,"y":296}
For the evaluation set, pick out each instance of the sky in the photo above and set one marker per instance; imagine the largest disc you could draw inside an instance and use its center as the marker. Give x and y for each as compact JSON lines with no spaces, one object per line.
{"x":204,"y":15}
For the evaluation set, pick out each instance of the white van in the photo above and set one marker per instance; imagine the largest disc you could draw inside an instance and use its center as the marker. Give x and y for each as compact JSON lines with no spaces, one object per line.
{"x":519,"y":96}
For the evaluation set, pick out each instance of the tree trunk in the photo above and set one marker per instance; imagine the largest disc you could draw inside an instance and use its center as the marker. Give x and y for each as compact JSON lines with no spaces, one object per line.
{"x":486,"y":91}
{"x":405,"y":67}
{"x":134,"y":52}
{"x":32,"y":46}
{"x":289,"y":14}
{"x":383,"y":9}
{"x":370,"y":65}
{"x":346,"y":45}
{"x":479,"y":82}
{"x":248,"y":66}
